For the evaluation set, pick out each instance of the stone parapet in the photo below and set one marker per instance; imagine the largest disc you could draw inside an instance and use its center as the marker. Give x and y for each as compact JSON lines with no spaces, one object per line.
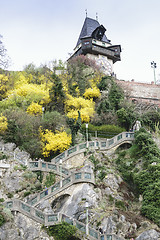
{"x":17,"y":205}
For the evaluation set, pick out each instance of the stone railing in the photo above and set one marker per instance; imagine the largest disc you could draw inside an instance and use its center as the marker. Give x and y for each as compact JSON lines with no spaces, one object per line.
{"x":49,"y":167}
{"x":68,"y":178}
{"x":52,"y":219}
{"x":106,"y":144}
{"x":75,"y":177}
{"x":55,"y":166}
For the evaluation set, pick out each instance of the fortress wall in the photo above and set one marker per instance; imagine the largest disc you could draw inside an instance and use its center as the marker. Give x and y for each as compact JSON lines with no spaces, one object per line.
{"x":141,"y":92}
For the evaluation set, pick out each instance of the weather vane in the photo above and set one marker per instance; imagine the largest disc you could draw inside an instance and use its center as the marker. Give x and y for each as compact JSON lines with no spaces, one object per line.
{"x":96,"y":16}
{"x":86,"y":12}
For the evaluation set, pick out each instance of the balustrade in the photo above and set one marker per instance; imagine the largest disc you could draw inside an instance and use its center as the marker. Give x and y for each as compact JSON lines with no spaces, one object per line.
{"x":50,"y":219}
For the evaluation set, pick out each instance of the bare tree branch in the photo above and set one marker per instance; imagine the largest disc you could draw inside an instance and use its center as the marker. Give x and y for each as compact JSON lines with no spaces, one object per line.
{"x":4,"y":59}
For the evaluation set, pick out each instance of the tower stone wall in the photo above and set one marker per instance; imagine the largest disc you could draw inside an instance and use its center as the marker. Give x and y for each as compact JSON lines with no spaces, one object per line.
{"x":137,"y":92}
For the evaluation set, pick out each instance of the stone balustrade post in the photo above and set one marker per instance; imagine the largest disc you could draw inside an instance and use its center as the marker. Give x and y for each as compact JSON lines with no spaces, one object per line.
{"x":32,"y":212}
{"x":74,"y":222}
{"x":49,"y":190}
{"x":72,"y":176}
{"x":47,"y":169}
{"x":16,"y":204}
{"x":124,"y":135}
{"x":59,"y":217}
{"x":46,"y":220}
{"x":40,"y":165}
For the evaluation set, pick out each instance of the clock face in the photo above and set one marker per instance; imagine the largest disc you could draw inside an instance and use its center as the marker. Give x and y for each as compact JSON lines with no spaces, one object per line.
{"x":105,"y":65}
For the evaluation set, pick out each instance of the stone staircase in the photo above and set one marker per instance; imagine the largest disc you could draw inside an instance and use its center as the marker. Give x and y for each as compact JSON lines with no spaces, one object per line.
{"x":73,"y":178}
{"x":17,"y":205}
{"x":68,"y":178}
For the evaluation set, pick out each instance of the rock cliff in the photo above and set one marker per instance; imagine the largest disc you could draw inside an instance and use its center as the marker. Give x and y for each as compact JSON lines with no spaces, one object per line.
{"x":112,"y":207}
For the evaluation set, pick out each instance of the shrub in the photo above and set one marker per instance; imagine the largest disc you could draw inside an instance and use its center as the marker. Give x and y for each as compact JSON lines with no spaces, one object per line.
{"x":62,"y":231}
{"x":54,"y":142}
{"x":34,"y":109}
{"x":120,"y":204}
{"x":150,"y":119}
{"x":92,"y":93}
{"x":26,"y":193}
{"x":9,"y":195}
{"x":3,"y":124}
{"x":23,"y":130}
{"x":21,"y":167}
{"x":50,"y":179}
{"x":2,"y":220}
{"x":144,"y":180}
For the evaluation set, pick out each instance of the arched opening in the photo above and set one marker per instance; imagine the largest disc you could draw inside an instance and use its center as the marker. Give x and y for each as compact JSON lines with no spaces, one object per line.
{"x":124,"y":146}
{"x":58,"y":203}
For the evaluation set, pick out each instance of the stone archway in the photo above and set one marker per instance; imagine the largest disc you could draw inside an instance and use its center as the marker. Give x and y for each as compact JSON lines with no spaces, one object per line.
{"x":58,"y":203}
{"x":124,"y":146}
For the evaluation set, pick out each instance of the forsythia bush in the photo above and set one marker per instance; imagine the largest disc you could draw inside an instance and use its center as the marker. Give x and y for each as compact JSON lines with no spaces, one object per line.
{"x":3,"y":85}
{"x":20,"y":79}
{"x":86,"y":108}
{"x":34,"y":109}
{"x":54,"y":142}
{"x":3,"y":124}
{"x":92,"y":93}
{"x":33,"y":92}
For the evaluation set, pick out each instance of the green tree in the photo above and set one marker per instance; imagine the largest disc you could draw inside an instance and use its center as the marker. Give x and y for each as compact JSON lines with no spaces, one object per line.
{"x":23,"y":129}
{"x":151,"y":118}
{"x":103,"y":107}
{"x":126,"y":117}
{"x":57,"y":95}
{"x":104,"y":83}
{"x":53,"y":120}
{"x":74,"y":125}
{"x":115,"y":96}
{"x":80,"y":70}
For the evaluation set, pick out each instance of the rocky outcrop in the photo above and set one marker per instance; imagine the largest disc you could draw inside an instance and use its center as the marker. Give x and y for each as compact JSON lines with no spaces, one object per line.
{"x":23,"y":228}
{"x":111,"y":205}
{"x":149,"y":235}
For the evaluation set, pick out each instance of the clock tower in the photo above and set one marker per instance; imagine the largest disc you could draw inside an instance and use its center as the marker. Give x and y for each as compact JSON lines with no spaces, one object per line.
{"x":93,"y":43}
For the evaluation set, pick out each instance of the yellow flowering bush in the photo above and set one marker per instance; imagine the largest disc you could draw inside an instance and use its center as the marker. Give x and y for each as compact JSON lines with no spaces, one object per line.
{"x":85,"y":106}
{"x":3,"y":124}
{"x":54,"y":142}
{"x":3,"y":86}
{"x":33,"y":93}
{"x":20,"y":79}
{"x":92,"y":93}
{"x":34,"y":109}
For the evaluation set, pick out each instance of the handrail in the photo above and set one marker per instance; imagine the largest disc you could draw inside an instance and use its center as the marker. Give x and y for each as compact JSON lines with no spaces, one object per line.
{"x":69,"y":178}
{"x":73,"y":178}
{"x":54,"y":165}
{"x":54,"y":218}
{"x":95,"y":145}
{"x":49,"y":167}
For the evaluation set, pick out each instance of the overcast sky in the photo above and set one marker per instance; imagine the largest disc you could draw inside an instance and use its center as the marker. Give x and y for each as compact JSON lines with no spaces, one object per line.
{"x":38,"y":31}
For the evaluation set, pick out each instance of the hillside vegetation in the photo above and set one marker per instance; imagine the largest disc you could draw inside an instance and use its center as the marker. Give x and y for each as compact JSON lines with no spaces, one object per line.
{"x":42,"y":112}
{"x":37,"y":106}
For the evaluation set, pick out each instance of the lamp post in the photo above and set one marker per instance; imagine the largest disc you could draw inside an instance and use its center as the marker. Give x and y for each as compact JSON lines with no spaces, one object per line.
{"x":86,"y":206}
{"x":87,"y":134}
{"x":60,"y":169}
{"x":153,"y":65}
{"x":42,"y":112}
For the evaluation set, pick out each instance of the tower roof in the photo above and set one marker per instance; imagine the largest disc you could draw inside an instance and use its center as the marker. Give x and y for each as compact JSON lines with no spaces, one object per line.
{"x":89,"y":26}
